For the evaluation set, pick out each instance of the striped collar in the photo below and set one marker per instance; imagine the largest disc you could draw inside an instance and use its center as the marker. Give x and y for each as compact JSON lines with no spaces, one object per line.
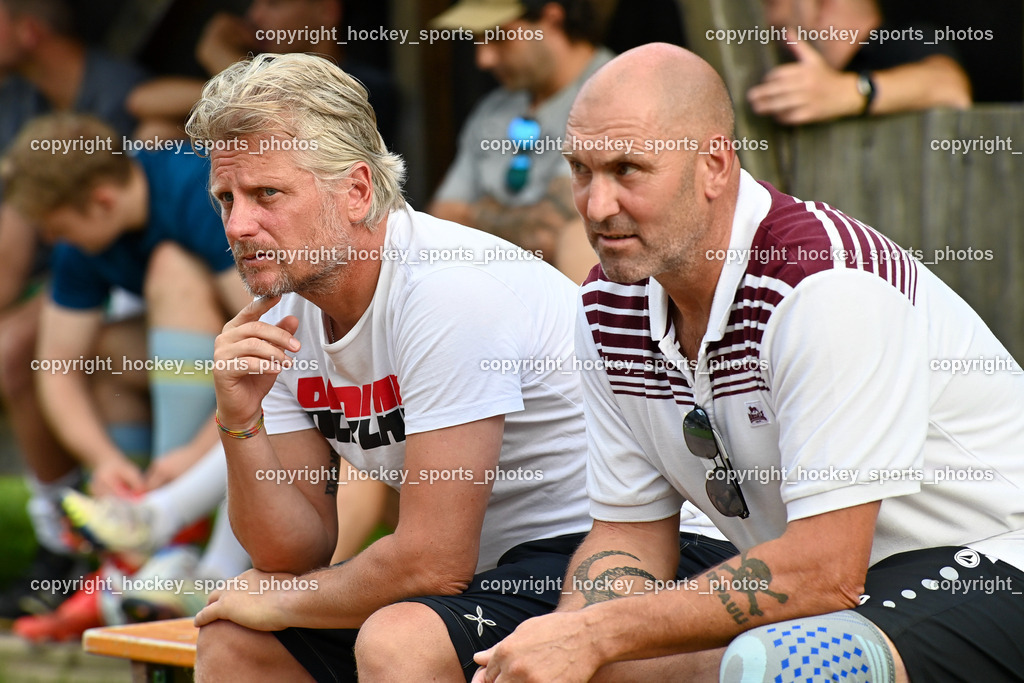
{"x":752,"y":205}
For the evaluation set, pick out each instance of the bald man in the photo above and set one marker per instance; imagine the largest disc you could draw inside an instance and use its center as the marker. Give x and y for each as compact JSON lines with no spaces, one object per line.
{"x":775,"y":363}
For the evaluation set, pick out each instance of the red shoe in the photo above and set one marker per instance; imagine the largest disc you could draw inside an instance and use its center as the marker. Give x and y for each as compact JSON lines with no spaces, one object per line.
{"x":76,"y":614}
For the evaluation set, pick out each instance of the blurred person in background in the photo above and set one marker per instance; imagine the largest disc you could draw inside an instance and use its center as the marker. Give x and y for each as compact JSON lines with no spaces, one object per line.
{"x":43,"y":68}
{"x":142,"y":222}
{"x":880,"y":69}
{"x":509,"y":177}
{"x":276,"y":26}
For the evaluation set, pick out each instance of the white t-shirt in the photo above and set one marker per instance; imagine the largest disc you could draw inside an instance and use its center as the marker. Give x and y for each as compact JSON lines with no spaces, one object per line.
{"x":420,"y":359}
{"x":825,"y":371}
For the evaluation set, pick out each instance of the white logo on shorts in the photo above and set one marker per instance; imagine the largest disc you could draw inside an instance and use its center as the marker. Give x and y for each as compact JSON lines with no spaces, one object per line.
{"x":967,"y":558}
{"x":479,"y":618}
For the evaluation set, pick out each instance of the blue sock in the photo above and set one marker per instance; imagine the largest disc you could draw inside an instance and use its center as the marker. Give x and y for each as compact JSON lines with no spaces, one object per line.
{"x":133,"y":438}
{"x":182,"y":400}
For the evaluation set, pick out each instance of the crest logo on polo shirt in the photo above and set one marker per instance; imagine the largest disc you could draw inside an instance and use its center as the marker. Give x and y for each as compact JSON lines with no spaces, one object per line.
{"x":755,"y":413}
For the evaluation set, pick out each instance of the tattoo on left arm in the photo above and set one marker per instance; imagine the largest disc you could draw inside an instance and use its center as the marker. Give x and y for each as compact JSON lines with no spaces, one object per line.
{"x":331,"y":484}
{"x":751,"y":577}
{"x":606,"y":585}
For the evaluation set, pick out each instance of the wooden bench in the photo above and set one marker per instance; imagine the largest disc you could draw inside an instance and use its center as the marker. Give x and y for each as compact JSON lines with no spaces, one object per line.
{"x":160,"y":651}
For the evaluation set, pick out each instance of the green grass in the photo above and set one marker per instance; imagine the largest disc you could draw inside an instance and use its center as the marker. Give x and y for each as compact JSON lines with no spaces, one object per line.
{"x":17,"y":542}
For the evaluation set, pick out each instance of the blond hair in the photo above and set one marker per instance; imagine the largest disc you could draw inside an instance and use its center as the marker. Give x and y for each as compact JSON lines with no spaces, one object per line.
{"x":312,"y":100}
{"x":57,"y":160}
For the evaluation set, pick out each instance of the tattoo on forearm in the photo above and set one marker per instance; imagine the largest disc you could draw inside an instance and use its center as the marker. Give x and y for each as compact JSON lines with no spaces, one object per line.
{"x":609,"y":584}
{"x":331,"y":483}
{"x":751,"y":577}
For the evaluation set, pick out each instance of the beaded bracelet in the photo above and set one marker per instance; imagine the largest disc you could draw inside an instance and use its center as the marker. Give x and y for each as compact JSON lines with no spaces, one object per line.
{"x":240,"y":433}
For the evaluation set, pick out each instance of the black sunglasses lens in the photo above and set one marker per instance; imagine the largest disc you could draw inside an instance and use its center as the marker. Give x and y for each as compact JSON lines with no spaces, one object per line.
{"x":518,"y":173}
{"x":525,"y":133}
{"x":725,"y":496}
{"x":698,"y":435}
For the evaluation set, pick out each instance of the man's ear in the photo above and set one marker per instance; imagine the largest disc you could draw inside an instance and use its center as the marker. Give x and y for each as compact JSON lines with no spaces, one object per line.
{"x":359,"y":192}
{"x":553,"y":14}
{"x":103,"y":198}
{"x":29,"y":31}
{"x":718,"y":165}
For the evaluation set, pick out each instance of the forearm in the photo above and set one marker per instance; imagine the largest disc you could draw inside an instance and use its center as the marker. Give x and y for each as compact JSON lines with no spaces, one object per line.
{"x":653,"y":625}
{"x":786,"y":578}
{"x":386,"y":572}
{"x":271,"y":518}
{"x":457,"y":212}
{"x":535,"y":227}
{"x":634,"y":560}
{"x":574,"y":256}
{"x":511,"y":222}
{"x":542,"y":226}
{"x":72,"y":415}
{"x":166,"y":98}
{"x":934,"y":82}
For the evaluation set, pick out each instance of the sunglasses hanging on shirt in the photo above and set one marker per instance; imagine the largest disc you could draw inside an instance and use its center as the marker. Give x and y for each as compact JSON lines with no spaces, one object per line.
{"x":721,"y":487}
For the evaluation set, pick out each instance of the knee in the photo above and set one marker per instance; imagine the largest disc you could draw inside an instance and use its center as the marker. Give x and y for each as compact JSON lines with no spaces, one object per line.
{"x":406,"y":640}
{"x":844,"y":644}
{"x":225,"y":650}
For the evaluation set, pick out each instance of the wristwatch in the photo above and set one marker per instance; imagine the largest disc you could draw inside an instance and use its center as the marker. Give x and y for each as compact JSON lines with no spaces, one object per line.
{"x":866,"y":87}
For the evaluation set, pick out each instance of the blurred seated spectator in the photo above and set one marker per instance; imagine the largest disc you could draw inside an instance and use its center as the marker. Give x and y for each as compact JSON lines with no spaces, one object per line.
{"x":43,"y":67}
{"x":276,"y":26}
{"x":859,"y":65}
{"x":143,"y":223}
{"x":509,"y":176}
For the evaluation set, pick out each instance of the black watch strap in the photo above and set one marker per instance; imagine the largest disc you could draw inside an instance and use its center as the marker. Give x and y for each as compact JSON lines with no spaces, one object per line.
{"x":866,"y":87}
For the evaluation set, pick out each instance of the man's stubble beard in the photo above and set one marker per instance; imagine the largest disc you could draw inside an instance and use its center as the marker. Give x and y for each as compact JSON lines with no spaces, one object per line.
{"x":329,"y":234}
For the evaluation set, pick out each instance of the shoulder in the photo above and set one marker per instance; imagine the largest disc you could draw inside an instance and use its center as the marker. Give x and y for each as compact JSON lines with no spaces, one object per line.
{"x":798,"y":239}
{"x":447,"y":260}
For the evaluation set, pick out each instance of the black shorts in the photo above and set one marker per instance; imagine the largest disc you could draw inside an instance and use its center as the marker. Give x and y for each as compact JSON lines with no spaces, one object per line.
{"x":953,"y":614}
{"x":526,"y":583}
